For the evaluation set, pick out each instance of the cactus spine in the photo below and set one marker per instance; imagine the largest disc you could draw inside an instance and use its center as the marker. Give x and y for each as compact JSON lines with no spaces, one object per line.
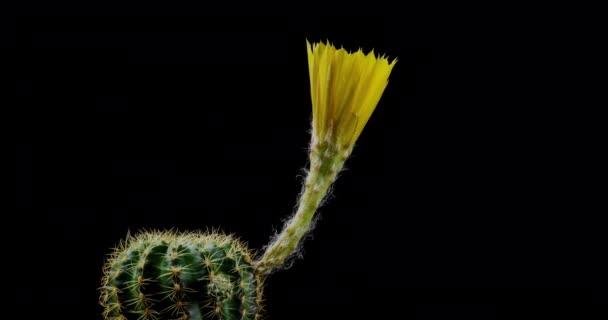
{"x":166,"y":275}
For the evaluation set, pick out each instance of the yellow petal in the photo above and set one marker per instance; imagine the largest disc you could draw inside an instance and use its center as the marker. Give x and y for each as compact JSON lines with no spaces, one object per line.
{"x":345,"y":89}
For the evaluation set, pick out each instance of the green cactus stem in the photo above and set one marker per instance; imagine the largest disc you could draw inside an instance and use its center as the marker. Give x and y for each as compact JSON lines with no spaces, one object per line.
{"x":195,"y":276}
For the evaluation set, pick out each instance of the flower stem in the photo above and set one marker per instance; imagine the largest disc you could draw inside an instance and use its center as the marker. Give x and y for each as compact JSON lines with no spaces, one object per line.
{"x":326,"y":160}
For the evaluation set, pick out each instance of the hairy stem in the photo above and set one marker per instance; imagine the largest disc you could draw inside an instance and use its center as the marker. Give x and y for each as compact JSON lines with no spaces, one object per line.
{"x":326,"y":160}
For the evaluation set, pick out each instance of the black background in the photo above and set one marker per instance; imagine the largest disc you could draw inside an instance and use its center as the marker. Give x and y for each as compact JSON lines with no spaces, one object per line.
{"x":462,"y":198}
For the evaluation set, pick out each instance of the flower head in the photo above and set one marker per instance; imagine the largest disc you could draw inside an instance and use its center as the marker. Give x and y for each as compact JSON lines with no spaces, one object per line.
{"x":345,"y":89}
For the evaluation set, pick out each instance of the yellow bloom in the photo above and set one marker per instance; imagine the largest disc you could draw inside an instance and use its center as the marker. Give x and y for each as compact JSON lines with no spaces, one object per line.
{"x":345,"y":89}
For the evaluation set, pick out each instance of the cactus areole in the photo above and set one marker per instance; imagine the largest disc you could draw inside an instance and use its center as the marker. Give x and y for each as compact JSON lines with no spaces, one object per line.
{"x":210,"y":276}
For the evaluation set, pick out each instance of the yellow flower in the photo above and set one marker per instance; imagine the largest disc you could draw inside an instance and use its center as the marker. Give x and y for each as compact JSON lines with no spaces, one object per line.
{"x":345,"y":89}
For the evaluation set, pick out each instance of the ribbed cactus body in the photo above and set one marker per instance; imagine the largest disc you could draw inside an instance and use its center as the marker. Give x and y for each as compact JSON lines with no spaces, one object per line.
{"x":195,"y":276}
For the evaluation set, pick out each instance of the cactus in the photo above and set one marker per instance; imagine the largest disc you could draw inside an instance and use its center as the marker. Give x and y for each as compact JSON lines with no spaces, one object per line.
{"x":200,"y":276}
{"x":167,"y":275}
